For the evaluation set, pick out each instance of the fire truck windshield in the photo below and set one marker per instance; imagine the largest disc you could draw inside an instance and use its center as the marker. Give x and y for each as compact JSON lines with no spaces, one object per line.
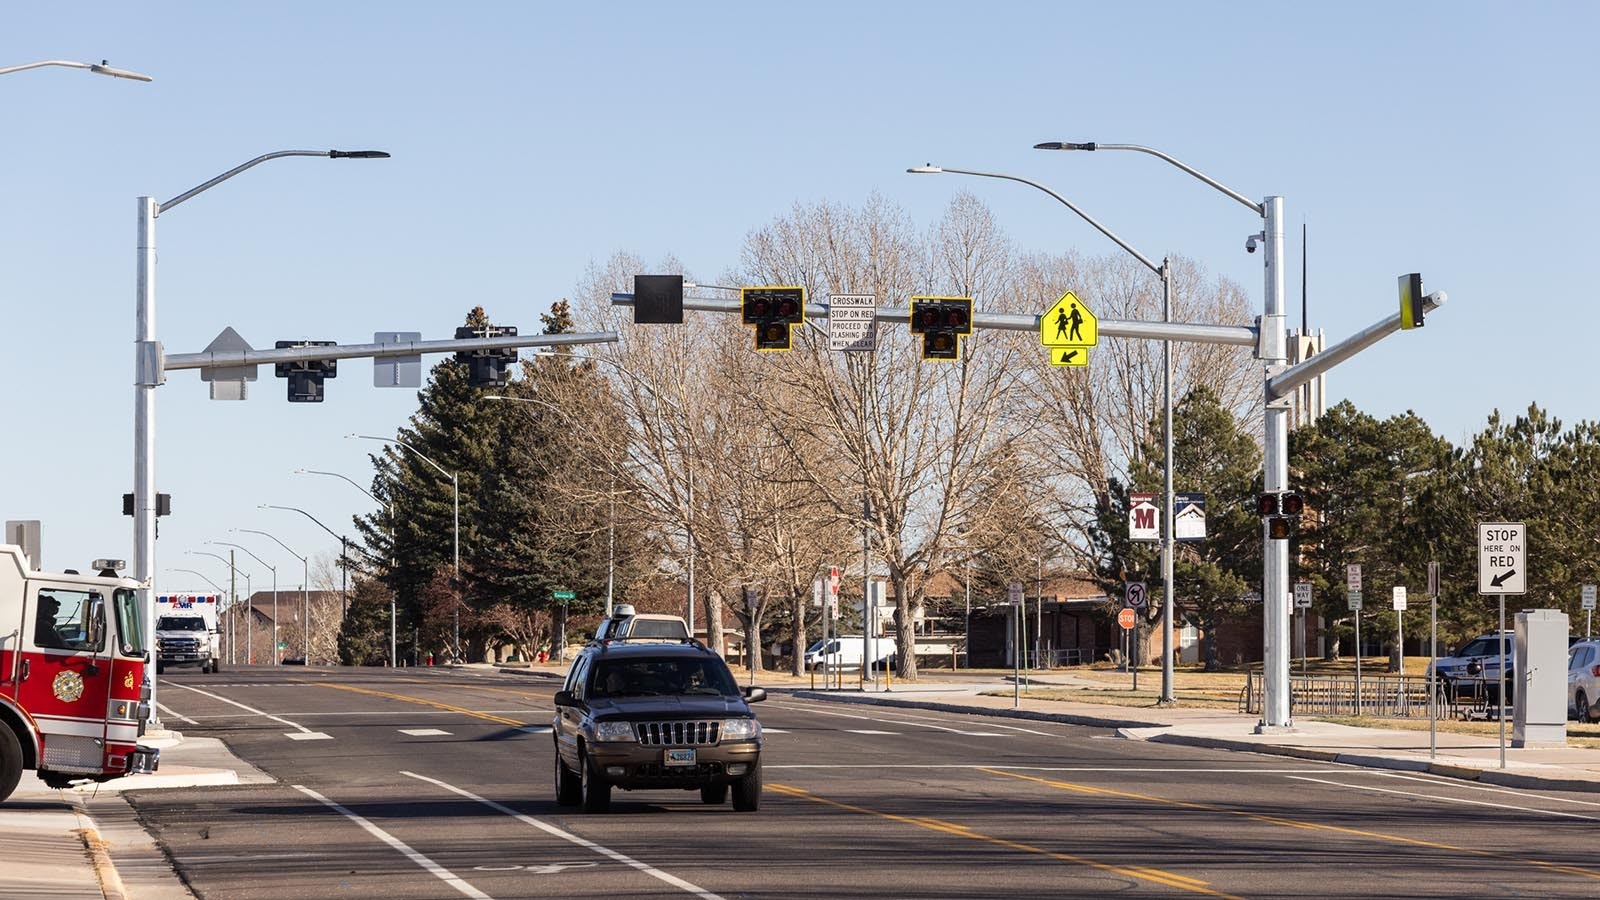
{"x":130,"y":625}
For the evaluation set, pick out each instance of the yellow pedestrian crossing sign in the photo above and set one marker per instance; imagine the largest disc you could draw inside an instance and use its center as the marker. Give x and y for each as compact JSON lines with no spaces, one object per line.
{"x":1068,"y":324}
{"x":1069,"y":356}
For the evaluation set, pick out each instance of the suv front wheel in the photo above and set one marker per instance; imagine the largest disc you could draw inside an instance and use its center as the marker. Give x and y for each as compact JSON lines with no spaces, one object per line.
{"x":747,"y":791}
{"x":596,"y":791}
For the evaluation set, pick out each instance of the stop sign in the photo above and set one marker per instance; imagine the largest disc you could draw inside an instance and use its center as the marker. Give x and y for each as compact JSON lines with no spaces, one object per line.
{"x":1125,"y":618}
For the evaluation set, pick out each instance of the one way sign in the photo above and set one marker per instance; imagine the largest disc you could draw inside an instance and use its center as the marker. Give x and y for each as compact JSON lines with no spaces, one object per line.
{"x":1502,"y":558}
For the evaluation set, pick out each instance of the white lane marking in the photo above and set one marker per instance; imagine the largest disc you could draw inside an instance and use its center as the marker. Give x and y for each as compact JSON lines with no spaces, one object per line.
{"x":626,"y":860}
{"x":1462,"y":800}
{"x":774,"y":731}
{"x":423,"y":732}
{"x":171,"y":712}
{"x":983,"y":734}
{"x":305,"y":734}
{"x":915,"y":721}
{"x":438,"y":871}
{"x":1452,"y":783}
{"x":867,"y":731}
{"x":394,"y":713}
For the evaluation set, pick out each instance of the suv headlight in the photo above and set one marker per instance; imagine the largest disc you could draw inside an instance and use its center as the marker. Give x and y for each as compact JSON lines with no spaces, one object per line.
{"x":613,"y":731}
{"x":740,"y":729}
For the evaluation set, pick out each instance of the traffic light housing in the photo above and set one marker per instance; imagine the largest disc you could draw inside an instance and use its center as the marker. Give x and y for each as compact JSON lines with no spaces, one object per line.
{"x":1292,"y":505}
{"x":487,"y":368}
{"x":305,"y":376}
{"x":1279,"y":528}
{"x":942,"y":321}
{"x":1280,"y":511}
{"x":1411,"y":301}
{"x":774,"y":311}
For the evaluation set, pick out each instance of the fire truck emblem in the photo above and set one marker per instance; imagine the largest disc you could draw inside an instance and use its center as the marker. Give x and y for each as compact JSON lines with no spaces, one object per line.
{"x":67,"y":687}
{"x":127,"y":680}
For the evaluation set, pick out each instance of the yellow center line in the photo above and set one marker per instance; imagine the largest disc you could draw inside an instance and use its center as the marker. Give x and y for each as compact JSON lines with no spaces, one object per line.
{"x":1297,"y":823}
{"x":1169,"y":879}
{"x":418,"y":700}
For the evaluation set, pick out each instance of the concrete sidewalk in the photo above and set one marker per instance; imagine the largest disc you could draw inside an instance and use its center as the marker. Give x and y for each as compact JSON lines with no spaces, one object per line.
{"x":1470,"y":757}
{"x":86,"y":841}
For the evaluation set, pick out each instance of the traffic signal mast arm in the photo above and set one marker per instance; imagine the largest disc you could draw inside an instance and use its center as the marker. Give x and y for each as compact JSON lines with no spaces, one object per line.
{"x":240,"y":358}
{"x":1238,"y":335}
{"x":1283,"y":384}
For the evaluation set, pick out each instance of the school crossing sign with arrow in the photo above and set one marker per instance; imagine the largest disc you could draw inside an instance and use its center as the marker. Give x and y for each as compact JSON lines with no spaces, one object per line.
{"x":1069,"y":329}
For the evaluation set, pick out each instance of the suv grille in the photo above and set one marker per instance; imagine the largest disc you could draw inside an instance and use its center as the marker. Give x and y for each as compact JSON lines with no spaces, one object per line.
{"x":678,"y":734}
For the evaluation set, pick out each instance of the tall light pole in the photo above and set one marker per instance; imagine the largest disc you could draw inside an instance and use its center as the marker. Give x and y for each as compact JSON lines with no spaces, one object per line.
{"x":344,"y":554}
{"x":305,"y":594}
{"x":1275,"y":435}
{"x":149,"y":374}
{"x":233,"y":636}
{"x":1164,"y":271}
{"x":455,"y":489}
{"x":99,"y":69}
{"x":274,"y":570}
{"x":394,"y":662}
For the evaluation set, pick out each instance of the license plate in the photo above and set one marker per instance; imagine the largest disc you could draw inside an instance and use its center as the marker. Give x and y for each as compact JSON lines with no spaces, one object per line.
{"x":680,"y":757}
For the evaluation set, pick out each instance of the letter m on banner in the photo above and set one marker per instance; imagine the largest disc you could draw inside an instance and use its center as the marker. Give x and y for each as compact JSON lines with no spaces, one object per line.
{"x":1144,"y":522}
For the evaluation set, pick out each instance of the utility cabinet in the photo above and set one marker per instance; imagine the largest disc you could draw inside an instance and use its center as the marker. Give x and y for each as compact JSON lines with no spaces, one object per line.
{"x":1539,"y":702}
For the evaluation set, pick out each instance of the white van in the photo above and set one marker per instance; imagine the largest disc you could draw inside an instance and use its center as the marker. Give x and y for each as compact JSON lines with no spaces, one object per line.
{"x":844,"y":652}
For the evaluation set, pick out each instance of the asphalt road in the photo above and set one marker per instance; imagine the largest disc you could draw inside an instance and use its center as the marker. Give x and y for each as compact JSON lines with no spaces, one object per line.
{"x":428,"y":783}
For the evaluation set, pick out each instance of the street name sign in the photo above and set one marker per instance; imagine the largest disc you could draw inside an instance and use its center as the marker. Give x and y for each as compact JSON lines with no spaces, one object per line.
{"x":853,"y":322}
{"x":1502,"y":558}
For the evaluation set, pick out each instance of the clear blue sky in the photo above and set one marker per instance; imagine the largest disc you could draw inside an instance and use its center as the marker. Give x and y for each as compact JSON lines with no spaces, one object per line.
{"x":529,"y":139}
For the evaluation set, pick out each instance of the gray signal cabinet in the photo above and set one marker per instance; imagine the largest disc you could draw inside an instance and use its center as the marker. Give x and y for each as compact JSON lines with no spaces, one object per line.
{"x":1539,"y":710}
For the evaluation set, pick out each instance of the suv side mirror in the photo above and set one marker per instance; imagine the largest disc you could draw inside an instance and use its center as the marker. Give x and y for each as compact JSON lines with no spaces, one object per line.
{"x":754,"y":694}
{"x":565,"y":698}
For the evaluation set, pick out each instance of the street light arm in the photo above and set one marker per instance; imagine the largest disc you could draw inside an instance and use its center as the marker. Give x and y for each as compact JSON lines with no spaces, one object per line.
{"x":331,"y":154}
{"x":270,"y":567}
{"x":98,"y":69}
{"x":275,"y":540}
{"x":931,"y":170}
{"x":423,"y":456}
{"x":203,"y":577}
{"x":1255,"y":207}
{"x":335,"y":475}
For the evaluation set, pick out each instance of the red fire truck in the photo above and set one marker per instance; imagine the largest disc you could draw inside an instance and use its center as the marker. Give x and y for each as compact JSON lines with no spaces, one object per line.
{"x":73,"y":691}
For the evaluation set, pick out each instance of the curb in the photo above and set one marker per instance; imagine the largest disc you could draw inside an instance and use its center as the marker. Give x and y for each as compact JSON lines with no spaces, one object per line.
{"x":527,"y":673}
{"x":105,"y":871}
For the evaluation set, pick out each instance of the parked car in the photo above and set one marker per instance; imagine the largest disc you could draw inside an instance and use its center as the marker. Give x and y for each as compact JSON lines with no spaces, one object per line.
{"x":1473,"y":671}
{"x":1583,"y":680}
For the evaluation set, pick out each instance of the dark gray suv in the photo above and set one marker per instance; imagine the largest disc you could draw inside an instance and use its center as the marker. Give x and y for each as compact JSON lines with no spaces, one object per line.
{"x":647,"y":714}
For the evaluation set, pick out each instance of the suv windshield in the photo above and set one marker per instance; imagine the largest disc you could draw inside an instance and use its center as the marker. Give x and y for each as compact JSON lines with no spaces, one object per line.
{"x":643,"y":677}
